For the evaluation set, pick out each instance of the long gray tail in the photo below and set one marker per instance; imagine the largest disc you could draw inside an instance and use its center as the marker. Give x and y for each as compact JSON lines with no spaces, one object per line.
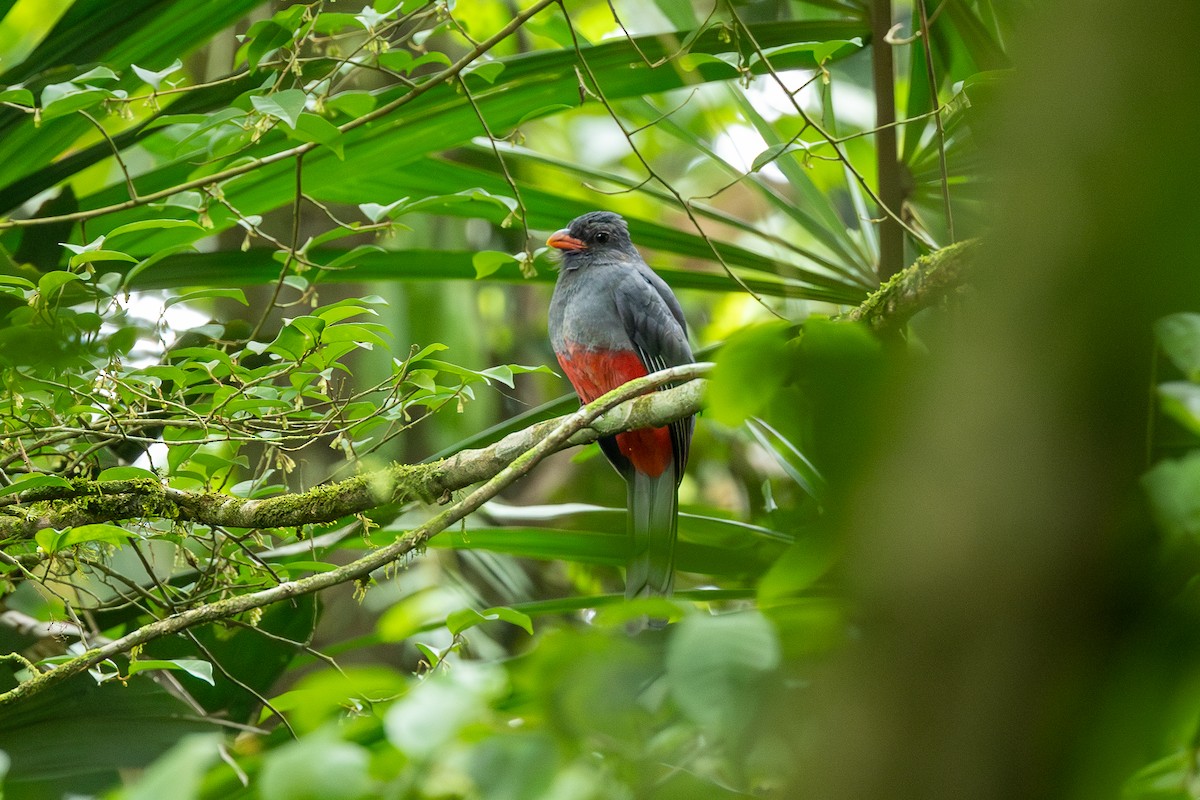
{"x":653,"y":506}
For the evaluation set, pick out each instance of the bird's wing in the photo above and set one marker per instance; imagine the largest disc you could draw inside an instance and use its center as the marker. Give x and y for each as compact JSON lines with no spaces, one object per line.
{"x":654,"y":323}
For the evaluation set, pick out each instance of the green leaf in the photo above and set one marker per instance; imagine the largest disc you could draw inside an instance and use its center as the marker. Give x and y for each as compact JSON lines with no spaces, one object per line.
{"x":53,"y":541}
{"x":821,"y":51}
{"x":150,"y":261}
{"x":90,"y":256}
{"x":789,"y":457}
{"x":353,"y":104}
{"x":96,"y":74}
{"x":297,"y":337}
{"x":207,"y":294}
{"x":52,"y":281}
{"x":376,"y":212}
{"x":431,"y":656}
{"x":752,"y":366}
{"x":1179,"y":335}
{"x":155,"y":79}
{"x":333,"y":22}
{"x":801,"y":565}
{"x":125,"y":474}
{"x":487,"y":262}
{"x":1174,"y":490}
{"x":47,"y":539}
{"x":1181,"y":402}
{"x":179,"y":774}
{"x":34,"y":482}
{"x":315,"y":767}
{"x":543,"y":111}
{"x":352,"y":256}
{"x":714,"y":668}
{"x":442,"y":201}
{"x":152,"y":225}
{"x":396,"y":60}
{"x":98,"y":532}
{"x":773,"y":153}
{"x":707,"y":545}
{"x":434,"y":712}
{"x":466,"y":618}
{"x":403,"y":61}
{"x":312,"y":128}
{"x":43,"y":735}
{"x":230,"y":118}
{"x":60,"y":99}
{"x":690,"y":62}
{"x":1163,"y":779}
{"x":286,"y":105}
{"x":516,"y":766}
{"x":487,"y":70}
{"x":192,"y":201}
{"x":17,"y":94}
{"x":265,"y":36}
{"x":163,"y":120}
{"x":195,"y":667}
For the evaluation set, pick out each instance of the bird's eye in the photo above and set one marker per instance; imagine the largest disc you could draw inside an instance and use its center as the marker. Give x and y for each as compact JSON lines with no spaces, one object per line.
{"x":601,"y":237}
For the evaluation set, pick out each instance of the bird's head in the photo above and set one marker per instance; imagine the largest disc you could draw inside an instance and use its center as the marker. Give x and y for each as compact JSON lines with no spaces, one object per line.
{"x":594,"y":235}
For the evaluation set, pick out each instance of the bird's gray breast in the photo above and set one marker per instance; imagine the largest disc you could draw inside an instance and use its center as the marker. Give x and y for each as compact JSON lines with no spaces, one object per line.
{"x":584,"y":311}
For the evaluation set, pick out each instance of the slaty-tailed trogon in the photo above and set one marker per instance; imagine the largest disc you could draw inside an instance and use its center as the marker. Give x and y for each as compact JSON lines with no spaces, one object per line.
{"x":613,"y":319}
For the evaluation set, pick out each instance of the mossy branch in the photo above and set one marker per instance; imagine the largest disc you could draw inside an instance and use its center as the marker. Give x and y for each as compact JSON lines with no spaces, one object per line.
{"x":586,"y":424}
{"x":922,"y":284}
{"x":88,"y":502}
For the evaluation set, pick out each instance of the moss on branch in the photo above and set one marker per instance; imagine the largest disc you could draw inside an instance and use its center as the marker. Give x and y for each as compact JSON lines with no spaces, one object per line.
{"x":88,"y":502}
{"x":924,"y":283}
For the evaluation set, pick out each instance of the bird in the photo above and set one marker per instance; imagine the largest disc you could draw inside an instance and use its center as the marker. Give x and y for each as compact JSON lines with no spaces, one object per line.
{"x":613,"y":319}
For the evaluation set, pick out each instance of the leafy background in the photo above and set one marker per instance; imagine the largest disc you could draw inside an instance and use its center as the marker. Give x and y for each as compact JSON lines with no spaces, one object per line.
{"x":302,"y":240}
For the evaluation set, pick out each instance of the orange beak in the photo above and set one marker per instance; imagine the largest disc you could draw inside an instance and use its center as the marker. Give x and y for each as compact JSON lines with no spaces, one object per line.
{"x":565,"y":241}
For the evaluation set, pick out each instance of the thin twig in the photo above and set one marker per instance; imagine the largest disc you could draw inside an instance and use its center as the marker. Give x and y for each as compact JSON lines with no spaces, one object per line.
{"x":291,"y":252}
{"x":245,"y":687}
{"x":133,"y":195}
{"x":937,"y":119}
{"x":512,"y":184}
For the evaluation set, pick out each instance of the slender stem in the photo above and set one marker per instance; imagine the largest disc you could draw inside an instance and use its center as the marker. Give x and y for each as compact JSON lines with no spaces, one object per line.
{"x":116,"y":154}
{"x":937,"y":118}
{"x":291,"y":251}
{"x":508,"y":178}
{"x":891,"y":191}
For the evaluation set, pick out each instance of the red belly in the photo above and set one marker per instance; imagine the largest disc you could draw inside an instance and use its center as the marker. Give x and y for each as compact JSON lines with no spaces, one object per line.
{"x":595,"y":372}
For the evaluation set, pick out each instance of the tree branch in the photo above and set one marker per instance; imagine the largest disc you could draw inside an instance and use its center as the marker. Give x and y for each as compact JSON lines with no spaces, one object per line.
{"x":555,"y":435}
{"x":922,"y":284}
{"x":89,"y":502}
